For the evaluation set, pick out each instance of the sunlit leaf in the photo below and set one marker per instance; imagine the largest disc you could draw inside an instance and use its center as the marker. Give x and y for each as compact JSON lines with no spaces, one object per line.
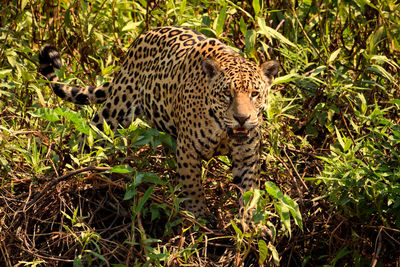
{"x":220,"y":22}
{"x":263,"y":250}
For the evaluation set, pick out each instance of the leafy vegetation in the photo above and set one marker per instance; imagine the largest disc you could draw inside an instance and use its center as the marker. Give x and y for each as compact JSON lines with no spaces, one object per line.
{"x":330,"y":170}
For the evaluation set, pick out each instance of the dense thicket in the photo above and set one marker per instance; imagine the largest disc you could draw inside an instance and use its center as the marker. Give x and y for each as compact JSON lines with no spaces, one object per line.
{"x":331,"y":165}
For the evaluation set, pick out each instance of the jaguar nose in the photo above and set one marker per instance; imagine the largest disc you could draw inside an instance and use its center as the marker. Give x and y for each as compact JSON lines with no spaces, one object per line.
{"x":241,"y":119}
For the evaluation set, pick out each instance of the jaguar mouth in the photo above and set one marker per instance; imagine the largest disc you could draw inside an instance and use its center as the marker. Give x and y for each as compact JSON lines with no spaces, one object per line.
{"x":238,"y":133}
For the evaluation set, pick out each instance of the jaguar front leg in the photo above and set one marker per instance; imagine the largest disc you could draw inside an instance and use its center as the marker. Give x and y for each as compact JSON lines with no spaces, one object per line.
{"x":189,"y":171}
{"x":246,"y":169}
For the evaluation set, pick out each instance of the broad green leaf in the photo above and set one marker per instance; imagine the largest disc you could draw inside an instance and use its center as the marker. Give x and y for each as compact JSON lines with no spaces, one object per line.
{"x":255,"y":198}
{"x":275,"y":255}
{"x":343,"y":252}
{"x":243,"y":26}
{"x":272,"y":33}
{"x":384,"y":59}
{"x":339,"y":137}
{"x":97,"y":255}
{"x":236,"y":228}
{"x":23,"y":4}
{"x":334,"y":55}
{"x":375,"y":38}
{"x":284,"y":215}
{"x":143,"y":200}
{"x":130,"y":192}
{"x":363,"y":103}
{"x":263,"y":250}
{"x":250,"y":42}
{"x":39,"y":94}
{"x":131,"y":26}
{"x":152,"y":178}
{"x":295,"y":211}
{"x":5,"y":72}
{"x":256,"y":7}
{"x":182,"y":7}
{"x":121,"y":169}
{"x":220,"y":21}
{"x":47,"y":114}
{"x":287,"y":78}
{"x":382,"y":71}
{"x":77,"y":262}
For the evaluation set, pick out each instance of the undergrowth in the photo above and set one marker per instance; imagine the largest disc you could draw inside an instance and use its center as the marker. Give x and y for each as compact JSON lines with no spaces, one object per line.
{"x":330,"y":177}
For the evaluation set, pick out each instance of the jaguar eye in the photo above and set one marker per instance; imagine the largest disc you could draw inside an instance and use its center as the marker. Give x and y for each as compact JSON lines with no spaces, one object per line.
{"x":255,"y":94}
{"x":227,"y":92}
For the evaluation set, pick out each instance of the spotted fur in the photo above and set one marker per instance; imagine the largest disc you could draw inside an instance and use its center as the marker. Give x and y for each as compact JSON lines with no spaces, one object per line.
{"x":208,"y":97}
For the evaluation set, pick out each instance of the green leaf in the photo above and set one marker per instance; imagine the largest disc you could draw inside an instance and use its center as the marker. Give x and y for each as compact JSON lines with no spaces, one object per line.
{"x":220,"y":21}
{"x":285,"y":206}
{"x":130,"y":192}
{"x":272,"y":189}
{"x":250,"y":42}
{"x":343,"y":252}
{"x":39,"y":94}
{"x":23,"y":4}
{"x":67,"y":18}
{"x":287,"y":78}
{"x":147,"y":177}
{"x":168,"y":141}
{"x":272,"y":33}
{"x":47,"y":114}
{"x":143,"y":200}
{"x":363,"y":103}
{"x":275,"y":255}
{"x":5,"y":72}
{"x":284,"y":215}
{"x":182,"y":7}
{"x":339,"y":137}
{"x":152,"y":178}
{"x":97,"y":255}
{"x":236,"y":228}
{"x":294,"y":211}
{"x":131,"y":26}
{"x":256,"y":7}
{"x":334,"y":56}
{"x":243,"y":26}
{"x":263,"y":250}
{"x":121,"y":169}
{"x":77,"y":262}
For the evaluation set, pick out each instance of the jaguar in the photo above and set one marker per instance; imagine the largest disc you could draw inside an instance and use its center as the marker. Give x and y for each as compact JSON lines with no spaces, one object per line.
{"x":194,"y":88}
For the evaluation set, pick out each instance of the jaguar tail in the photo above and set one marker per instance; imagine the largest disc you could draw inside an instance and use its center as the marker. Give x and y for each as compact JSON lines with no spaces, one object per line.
{"x":50,"y":59}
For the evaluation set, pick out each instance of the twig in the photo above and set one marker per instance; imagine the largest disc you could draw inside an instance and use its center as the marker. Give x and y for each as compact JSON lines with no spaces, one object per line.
{"x":391,"y":237}
{"x":291,"y":175}
{"x":331,"y":235}
{"x":304,"y":32}
{"x":4,"y":252}
{"x":295,"y":170}
{"x":378,"y":247}
{"x":60,"y":179}
{"x":197,"y":251}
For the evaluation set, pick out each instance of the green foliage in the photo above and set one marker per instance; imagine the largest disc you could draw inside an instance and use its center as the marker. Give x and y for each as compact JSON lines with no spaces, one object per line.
{"x":337,"y":99}
{"x":362,"y":173}
{"x":87,"y":237}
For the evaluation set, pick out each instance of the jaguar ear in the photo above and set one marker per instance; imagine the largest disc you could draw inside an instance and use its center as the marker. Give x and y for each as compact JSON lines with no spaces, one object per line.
{"x":210,"y":67}
{"x":270,"y":68}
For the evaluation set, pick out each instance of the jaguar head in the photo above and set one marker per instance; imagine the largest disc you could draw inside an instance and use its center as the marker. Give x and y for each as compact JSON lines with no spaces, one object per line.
{"x":241,"y":90}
